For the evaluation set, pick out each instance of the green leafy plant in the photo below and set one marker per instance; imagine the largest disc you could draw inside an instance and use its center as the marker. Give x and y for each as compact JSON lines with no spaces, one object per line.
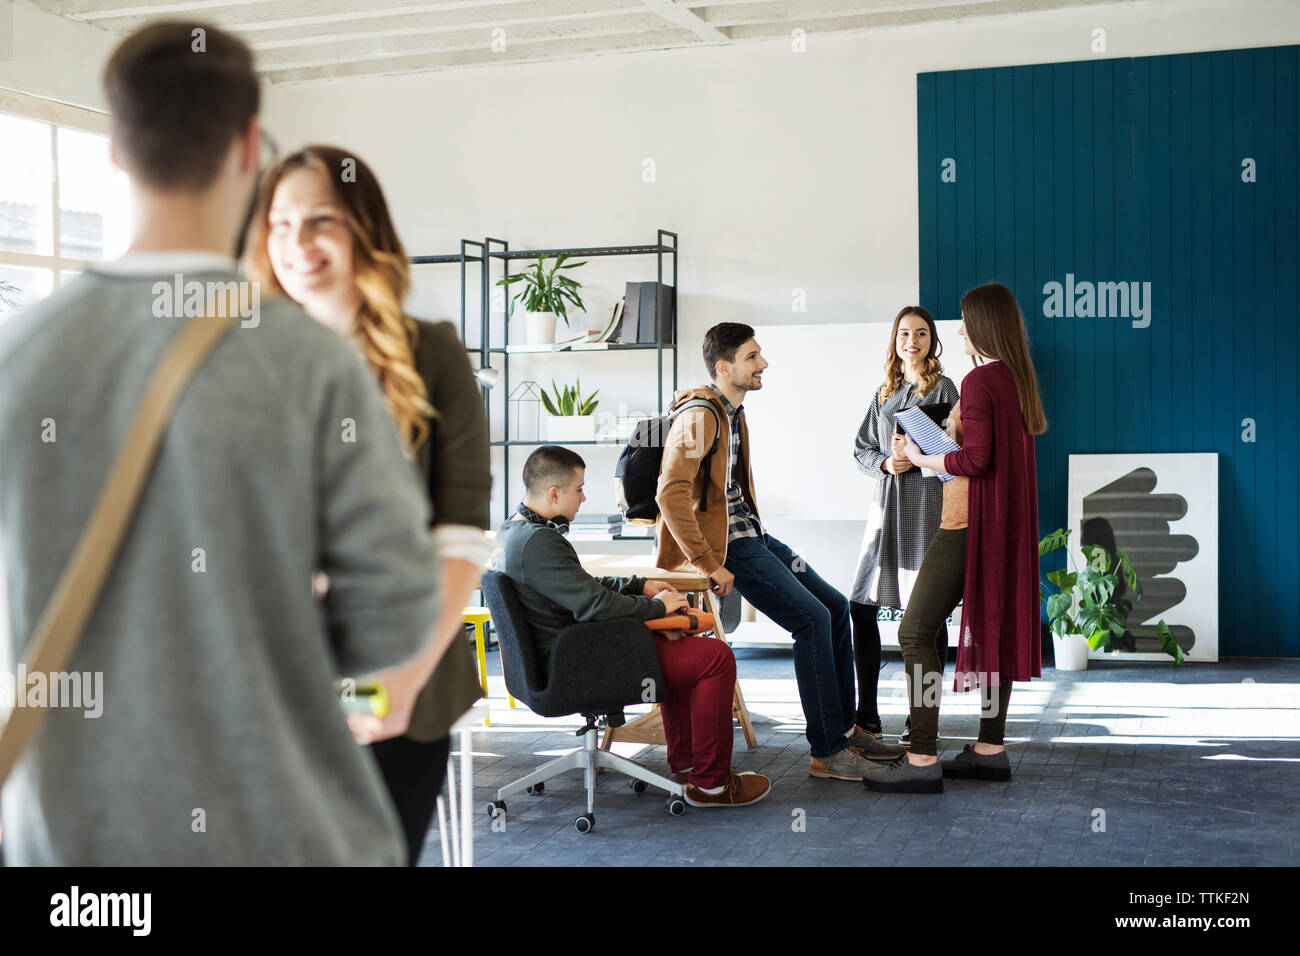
{"x":548,"y":290}
{"x":1082,"y":600}
{"x":568,"y":401}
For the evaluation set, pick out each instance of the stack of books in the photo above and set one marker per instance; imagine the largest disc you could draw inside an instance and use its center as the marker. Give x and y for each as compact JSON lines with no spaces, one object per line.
{"x":596,"y":526}
{"x":602,"y":339}
{"x":571,"y":342}
{"x":625,"y":425}
{"x":649,"y":315}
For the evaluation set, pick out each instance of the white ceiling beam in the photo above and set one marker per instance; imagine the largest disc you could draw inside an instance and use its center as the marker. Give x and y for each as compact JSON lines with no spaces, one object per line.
{"x":377,"y":30}
{"x":108,"y":9}
{"x":771,"y":11}
{"x":647,"y":29}
{"x":477,"y":58}
{"x":683,"y":17}
{"x":559,"y":11}
{"x":288,"y":15}
{"x":892,"y":15}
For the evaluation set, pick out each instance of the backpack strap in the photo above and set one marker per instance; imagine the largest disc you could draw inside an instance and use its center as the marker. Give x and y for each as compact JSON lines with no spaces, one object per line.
{"x":79,"y":586}
{"x":717,"y":437}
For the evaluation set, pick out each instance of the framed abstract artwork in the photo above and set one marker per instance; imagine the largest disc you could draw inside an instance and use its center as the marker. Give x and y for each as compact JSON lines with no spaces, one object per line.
{"x":1163,"y":509}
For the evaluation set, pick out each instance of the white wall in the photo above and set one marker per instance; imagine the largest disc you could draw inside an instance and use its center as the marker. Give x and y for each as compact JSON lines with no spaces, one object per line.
{"x":45,"y":55}
{"x":58,"y":59}
{"x":780,"y":170}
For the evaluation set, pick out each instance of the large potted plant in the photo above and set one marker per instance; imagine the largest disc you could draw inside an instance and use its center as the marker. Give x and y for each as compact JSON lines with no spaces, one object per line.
{"x":1083,"y":610}
{"x":570,"y":417}
{"x":546,"y":295}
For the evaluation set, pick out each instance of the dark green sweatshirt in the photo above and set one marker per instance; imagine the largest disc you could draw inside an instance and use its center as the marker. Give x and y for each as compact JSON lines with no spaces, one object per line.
{"x":555,"y":590}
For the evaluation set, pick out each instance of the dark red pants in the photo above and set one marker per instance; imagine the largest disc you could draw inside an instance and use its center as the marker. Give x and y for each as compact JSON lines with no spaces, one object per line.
{"x":701,"y":677}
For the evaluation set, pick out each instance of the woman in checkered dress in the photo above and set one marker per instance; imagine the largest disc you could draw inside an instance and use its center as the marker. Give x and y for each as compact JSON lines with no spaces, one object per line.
{"x":905,"y":503}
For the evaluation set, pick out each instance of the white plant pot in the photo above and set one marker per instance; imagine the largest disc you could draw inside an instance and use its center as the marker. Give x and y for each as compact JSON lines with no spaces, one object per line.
{"x":1071,"y":652}
{"x":539,"y":328}
{"x":562,"y":428}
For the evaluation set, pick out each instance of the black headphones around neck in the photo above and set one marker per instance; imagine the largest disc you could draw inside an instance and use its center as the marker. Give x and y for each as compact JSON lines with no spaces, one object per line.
{"x":555,"y":524}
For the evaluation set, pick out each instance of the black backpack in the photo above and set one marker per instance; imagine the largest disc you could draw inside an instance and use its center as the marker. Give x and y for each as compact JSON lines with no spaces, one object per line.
{"x":639,"y":463}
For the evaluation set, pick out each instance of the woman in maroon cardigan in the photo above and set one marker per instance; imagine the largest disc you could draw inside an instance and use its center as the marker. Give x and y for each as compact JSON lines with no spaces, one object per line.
{"x":985,"y":554}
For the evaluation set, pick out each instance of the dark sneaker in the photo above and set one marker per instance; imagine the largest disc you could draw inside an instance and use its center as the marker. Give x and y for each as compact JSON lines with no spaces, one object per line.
{"x":872,"y":746}
{"x":903,"y":776}
{"x":857,"y":734}
{"x":905,"y":738}
{"x":848,"y":764}
{"x":969,"y":765}
{"x":741,"y":790}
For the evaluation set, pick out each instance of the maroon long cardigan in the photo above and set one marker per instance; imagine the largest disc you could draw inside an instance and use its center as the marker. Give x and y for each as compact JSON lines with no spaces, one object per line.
{"x":1000,"y":625}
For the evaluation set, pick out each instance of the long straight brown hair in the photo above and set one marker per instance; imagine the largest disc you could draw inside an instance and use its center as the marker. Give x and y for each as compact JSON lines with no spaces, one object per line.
{"x":996,"y":327}
{"x":382,"y":274}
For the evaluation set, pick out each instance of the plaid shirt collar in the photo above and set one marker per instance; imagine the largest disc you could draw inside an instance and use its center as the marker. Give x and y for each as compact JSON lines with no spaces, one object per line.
{"x":732,"y":410}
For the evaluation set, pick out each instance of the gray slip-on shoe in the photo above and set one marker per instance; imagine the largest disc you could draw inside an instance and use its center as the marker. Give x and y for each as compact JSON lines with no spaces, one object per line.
{"x":848,"y":764}
{"x":872,"y":746}
{"x":902,"y":776}
{"x":969,"y":765}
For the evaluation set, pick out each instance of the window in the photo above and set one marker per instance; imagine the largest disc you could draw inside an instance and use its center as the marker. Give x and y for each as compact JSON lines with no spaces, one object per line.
{"x":63,"y":204}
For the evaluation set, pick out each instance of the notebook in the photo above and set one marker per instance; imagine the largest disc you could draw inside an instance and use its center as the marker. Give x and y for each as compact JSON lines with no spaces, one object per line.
{"x":929,"y":437}
{"x":938,"y":411}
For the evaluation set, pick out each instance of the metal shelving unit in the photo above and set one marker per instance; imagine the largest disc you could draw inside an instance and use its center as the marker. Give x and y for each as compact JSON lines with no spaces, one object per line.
{"x":491,"y":249}
{"x":464,"y":258}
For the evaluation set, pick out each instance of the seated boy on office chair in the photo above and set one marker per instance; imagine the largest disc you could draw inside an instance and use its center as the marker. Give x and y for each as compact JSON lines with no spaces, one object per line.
{"x":556,"y":592}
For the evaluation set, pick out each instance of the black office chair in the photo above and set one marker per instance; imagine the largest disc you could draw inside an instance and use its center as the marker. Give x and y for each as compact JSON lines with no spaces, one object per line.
{"x":596,"y":669}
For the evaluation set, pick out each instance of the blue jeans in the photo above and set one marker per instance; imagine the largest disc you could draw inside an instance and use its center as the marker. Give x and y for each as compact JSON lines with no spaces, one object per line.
{"x":781,"y":584}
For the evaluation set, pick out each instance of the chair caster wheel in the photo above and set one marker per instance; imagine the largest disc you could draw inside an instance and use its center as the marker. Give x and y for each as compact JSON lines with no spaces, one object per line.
{"x":539,"y":787}
{"x":676,"y":806}
{"x":584,"y":823}
{"x":638,"y":786}
{"x":496,"y":808}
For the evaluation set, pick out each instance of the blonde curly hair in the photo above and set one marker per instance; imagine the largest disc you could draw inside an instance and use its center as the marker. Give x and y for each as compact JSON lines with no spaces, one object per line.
{"x":931,"y":372}
{"x":385,"y":332}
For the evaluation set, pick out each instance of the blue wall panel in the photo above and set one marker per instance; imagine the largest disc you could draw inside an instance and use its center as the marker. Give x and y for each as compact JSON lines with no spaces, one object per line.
{"x":1131,"y":170}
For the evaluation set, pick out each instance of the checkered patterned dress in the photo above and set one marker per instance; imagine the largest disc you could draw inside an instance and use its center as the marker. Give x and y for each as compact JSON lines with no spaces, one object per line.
{"x":904,"y":511}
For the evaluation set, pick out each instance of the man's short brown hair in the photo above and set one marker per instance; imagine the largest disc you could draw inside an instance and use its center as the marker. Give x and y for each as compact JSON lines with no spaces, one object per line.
{"x":721,"y":343}
{"x":179,"y":94}
{"x":551,"y":465}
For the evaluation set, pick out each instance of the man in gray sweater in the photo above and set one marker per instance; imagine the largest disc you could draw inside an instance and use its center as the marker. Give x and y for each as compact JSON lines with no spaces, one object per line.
{"x":220,"y":738}
{"x":556,"y":592}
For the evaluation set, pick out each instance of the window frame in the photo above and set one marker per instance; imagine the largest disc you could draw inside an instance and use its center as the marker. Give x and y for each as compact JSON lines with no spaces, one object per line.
{"x":57,"y":115}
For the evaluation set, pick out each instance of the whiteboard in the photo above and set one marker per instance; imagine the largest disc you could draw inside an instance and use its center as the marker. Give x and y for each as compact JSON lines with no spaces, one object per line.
{"x":803,"y":421}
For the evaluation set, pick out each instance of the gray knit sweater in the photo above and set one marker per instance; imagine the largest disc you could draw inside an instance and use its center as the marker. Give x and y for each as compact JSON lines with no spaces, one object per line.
{"x":221,"y":740}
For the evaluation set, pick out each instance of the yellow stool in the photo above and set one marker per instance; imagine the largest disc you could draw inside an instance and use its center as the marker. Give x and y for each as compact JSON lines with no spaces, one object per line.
{"x":478,"y":616}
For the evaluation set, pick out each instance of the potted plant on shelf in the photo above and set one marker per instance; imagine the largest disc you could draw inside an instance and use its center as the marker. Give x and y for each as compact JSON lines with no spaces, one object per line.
{"x":1083,"y":610}
{"x":544,"y":296}
{"x":570,"y":416}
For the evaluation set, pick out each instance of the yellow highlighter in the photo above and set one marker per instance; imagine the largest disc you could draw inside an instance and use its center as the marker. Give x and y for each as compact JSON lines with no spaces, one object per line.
{"x":362,"y":697}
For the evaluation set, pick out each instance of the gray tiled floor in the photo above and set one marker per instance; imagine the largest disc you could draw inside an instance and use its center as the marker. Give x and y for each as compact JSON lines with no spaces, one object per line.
{"x":1197,"y":767}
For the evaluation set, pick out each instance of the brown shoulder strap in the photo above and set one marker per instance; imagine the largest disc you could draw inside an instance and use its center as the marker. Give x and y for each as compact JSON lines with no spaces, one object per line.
{"x":84,"y":575}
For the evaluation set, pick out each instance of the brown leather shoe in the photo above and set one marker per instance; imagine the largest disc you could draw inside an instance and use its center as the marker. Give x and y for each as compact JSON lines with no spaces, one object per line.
{"x":680,"y":776}
{"x":741,"y":790}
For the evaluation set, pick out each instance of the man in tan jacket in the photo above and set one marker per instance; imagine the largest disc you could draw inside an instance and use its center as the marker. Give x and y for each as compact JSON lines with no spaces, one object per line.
{"x":724,"y":538}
